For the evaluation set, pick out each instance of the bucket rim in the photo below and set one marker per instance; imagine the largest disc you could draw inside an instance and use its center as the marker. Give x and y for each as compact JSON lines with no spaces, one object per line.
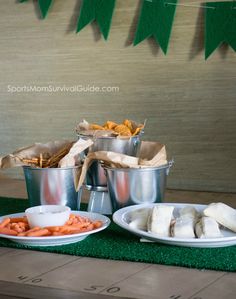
{"x":109,"y":137}
{"x":50,"y":169}
{"x":168,"y":165}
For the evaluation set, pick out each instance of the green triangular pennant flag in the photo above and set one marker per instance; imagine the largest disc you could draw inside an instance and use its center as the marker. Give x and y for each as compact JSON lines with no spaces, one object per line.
{"x":220,"y":25}
{"x":99,"y":10}
{"x":156,"y":19}
{"x":44,"y":6}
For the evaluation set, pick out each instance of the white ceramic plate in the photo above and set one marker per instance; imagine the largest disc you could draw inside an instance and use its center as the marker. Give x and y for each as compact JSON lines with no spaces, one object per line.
{"x":58,"y":240}
{"x":122,"y":218}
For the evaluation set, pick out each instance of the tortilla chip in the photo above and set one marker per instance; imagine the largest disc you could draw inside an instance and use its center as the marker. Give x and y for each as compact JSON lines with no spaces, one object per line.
{"x":128,"y":124}
{"x":126,"y":129}
{"x":123,"y":130}
{"x":137,"y":131}
{"x":109,"y":125}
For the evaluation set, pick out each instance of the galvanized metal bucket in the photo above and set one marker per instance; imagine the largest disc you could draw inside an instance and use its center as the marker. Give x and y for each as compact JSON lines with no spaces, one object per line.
{"x":96,"y":179}
{"x":55,"y":186}
{"x":131,"y":186}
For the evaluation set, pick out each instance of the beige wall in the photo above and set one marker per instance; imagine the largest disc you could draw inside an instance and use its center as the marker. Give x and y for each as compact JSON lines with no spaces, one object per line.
{"x":189,"y":103}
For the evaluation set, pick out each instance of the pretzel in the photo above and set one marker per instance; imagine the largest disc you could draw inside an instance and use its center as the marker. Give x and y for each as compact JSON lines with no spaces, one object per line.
{"x":45,"y":160}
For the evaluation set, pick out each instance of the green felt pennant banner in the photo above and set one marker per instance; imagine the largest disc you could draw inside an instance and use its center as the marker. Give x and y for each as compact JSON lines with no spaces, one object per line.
{"x":100,"y":11}
{"x":156,"y":19}
{"x":220,"y":25}
{"x":44,"y":6}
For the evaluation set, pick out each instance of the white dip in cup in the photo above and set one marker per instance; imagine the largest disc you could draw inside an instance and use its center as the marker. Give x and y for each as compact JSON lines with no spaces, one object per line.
{"x":47,"y":215}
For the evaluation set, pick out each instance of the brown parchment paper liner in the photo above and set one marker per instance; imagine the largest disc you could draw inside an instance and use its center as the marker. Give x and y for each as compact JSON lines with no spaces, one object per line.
{"x":29,"y":152}
{"x":73,"y":157}
{"x":51,"y":148}
{"x":84,"y":129}
{"x":152,"y":154}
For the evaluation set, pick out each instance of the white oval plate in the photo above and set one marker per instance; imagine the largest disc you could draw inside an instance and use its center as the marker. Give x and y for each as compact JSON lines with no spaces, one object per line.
{"x":122,"y":218}
{"x":58,"y":240}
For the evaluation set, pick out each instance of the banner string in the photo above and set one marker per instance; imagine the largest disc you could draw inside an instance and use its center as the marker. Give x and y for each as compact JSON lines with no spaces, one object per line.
{"x":192,"y":5}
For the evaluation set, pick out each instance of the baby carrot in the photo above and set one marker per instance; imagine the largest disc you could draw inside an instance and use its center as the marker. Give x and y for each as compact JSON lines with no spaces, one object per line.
{"x":23,"y":225}
{"x":19,"y":219}
{"x":7,"y":231}
{"x":97,"y":224}
{"x":88,"y":228}
{"x":19,"y":226}
{"x":74,"y":221}
{"x":73,"y":227}
{"x":39,"y":233}
{"x":82,"y":219}
{"x":5,"y":222}
{"x":81,"y":230}
{"x":33,"y":230}
{"x":53,"y":228}
{"x":69,"y":222}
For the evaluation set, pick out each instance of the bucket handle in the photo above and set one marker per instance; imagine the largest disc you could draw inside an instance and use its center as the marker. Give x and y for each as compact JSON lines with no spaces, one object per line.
{"x":104,"y":169}
{"x":136,"y":142}
{"x":170,"y":164}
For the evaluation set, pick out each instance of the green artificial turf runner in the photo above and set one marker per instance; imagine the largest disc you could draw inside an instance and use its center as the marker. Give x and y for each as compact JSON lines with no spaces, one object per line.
{"x":117,"y":244}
